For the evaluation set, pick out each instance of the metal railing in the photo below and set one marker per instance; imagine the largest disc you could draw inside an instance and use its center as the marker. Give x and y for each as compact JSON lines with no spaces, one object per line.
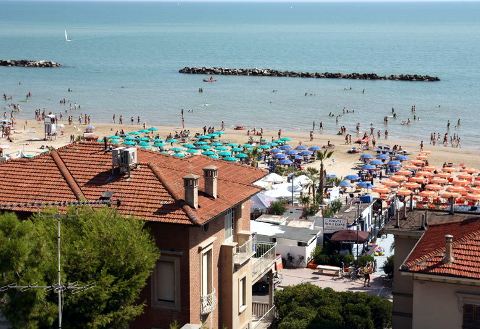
{"x":263,"y":258}
{"x":208,"y":303}
{"x":243,"y":252}
{"x":266,"y":320}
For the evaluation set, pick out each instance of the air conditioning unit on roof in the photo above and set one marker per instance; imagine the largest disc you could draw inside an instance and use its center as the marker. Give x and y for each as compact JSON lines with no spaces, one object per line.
{"x":128,"y":157}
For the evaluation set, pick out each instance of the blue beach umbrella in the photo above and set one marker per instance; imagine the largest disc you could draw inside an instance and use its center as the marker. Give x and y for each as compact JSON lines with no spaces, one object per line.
{"x":344,"y":183}
{"x":394,"y":163}
{"x":279,"y":156}
{"x":383,"y":156}
{"x":306,"y":153}
{"x":292,"y":152}
{"x":352,"y":177}
{"x":298,"y":157}
{"x":376,"y":162}
{"x":366,"y":185}
{"x":402,"y":158}
{"x":314,"y":148}
{"x":301,"y":147}
{"x":368,"y":167}
{"x":275,"y":151}
{"x":286,"y":162}
{"x":285,"y":147}
{"x":365,"y":156}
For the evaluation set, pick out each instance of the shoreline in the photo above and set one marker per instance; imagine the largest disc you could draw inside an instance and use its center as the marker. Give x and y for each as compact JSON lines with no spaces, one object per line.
{"x":28,"y":137}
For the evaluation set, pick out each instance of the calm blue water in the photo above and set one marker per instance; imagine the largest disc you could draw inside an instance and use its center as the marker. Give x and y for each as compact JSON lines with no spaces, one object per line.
{"x":124,"y":59}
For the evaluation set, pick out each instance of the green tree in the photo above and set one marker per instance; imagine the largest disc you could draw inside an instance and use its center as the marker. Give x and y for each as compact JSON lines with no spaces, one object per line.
{"x":99,"y":247}
{"x":277,"y":207}
{"x":322,"y":156}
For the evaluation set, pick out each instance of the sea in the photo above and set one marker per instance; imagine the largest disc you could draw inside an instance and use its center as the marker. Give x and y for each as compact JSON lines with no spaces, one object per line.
{"x":124,"y":57}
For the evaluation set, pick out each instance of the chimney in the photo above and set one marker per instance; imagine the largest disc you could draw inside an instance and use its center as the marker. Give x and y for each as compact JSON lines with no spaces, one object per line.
{"x":190,"y":184}
{"x":448,"y":258}
{"x":452,"y":205}
{"x":210,"y":174}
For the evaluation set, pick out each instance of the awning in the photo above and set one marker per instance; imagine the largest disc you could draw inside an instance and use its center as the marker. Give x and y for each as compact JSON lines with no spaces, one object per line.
{"x":350,"y":236}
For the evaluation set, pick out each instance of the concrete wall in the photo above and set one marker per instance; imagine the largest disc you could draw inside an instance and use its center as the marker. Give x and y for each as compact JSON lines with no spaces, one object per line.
{"x":437,"y":305}
{"x":402,"y":285}
{"x":285,"y":247}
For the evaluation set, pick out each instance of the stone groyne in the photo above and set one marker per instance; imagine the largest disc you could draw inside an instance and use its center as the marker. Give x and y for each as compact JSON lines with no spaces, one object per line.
{"x":293,"y":74}
{"x":28,"y":63}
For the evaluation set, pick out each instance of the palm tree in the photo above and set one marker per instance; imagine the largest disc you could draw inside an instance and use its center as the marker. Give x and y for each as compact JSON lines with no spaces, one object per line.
{"x":312,"y":174}
{"x":322,"y":156}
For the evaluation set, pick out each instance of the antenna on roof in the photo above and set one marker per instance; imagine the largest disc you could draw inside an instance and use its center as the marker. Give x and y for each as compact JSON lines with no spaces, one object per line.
{"x":59,"y":287}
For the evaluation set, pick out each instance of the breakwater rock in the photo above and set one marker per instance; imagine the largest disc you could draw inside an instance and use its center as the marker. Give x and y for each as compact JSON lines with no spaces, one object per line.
{"x":28,"y":63}
{"x":293,"y":74}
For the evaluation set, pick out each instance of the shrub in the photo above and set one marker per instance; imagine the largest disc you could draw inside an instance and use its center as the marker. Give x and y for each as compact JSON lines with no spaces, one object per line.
{"x":277,"y":208}
{"x":363,"y":260}
{"x":388,"y":266}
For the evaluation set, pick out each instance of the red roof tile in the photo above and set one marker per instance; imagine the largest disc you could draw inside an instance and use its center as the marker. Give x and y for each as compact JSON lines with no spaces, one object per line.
{"x":428,"y":253}
{"x":154,"y":190}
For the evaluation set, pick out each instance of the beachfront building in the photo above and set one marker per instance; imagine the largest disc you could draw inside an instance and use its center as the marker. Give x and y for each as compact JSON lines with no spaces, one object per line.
{"x":437,"y":271}
{"x":197,"y":209}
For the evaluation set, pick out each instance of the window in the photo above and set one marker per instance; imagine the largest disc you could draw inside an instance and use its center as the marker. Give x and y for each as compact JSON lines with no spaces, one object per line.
{"x":166,"y":283}
{"x":229,"y":216}
{"x":206,"y":272}
{"x":471,"y":316}
{"x":242,"y":294}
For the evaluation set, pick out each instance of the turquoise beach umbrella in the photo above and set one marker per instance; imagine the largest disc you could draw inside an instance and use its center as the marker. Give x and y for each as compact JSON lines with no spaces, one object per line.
{"x":247,"y":146}
{"x":129,"y":143}
{"x":225,"y":154}
{"x":217,"y":144}
{"x":152,"y":129}
{"x":158,"y":144}
{"x":233,"y":144}
{"x":144,"y":144}
{"x":273,"y":144}
{"x":237,"y":149}
{"x":208,"y":153}
{"x":221,"y":148}
{"x":129,"y":138}
{"x":179,"y":155}
{"x":264,"y":146}
{"x":241,"y":156}
{"x":285,"y":139}
{"x":213,"y":156}
{"x":205,"y":147}
{"x":171,"y":140}
{"x":189,"y":146}
{"x":193,"y":151}
{"x":230,"y":159}
{"x":177,"y":149}
{"x":144,"y":139}
{"x":201,"y":143}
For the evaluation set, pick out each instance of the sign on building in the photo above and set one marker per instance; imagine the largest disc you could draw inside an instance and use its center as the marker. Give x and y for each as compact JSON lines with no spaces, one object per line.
{"x":332,"y":225}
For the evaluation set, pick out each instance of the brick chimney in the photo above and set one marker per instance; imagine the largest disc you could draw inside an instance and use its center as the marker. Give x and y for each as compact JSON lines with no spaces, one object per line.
{"x":448,"y":258}
{"x":210,"y":174}
{"x":190,"y":184}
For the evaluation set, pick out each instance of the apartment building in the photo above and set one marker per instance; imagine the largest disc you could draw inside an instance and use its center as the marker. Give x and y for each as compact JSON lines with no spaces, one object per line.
{"x":196,"y":208}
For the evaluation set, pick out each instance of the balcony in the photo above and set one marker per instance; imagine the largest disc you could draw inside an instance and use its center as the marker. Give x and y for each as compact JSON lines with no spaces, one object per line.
{"x":243,"y":252}
{"x":208,"y":303}
{"x":263,"y":259}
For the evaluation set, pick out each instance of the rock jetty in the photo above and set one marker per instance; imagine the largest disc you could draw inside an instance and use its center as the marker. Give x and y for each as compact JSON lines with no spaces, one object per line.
{"x":293,"y":74}
{"x":28,"y":63}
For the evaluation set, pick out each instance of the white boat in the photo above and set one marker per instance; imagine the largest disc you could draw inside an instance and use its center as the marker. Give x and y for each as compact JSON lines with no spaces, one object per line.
{"x":66,"y":36}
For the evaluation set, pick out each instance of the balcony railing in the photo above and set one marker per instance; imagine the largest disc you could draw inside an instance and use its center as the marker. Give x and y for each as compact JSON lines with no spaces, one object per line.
{"x":208,"y":303}
{"x":244,"y":252}
{"x":264,"y":258}
{"x":264,"y":319}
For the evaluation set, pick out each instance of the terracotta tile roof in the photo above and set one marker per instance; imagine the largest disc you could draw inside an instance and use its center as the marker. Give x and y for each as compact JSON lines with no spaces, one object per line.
{"x":427,"y":255}
{"x":154,"y":190}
